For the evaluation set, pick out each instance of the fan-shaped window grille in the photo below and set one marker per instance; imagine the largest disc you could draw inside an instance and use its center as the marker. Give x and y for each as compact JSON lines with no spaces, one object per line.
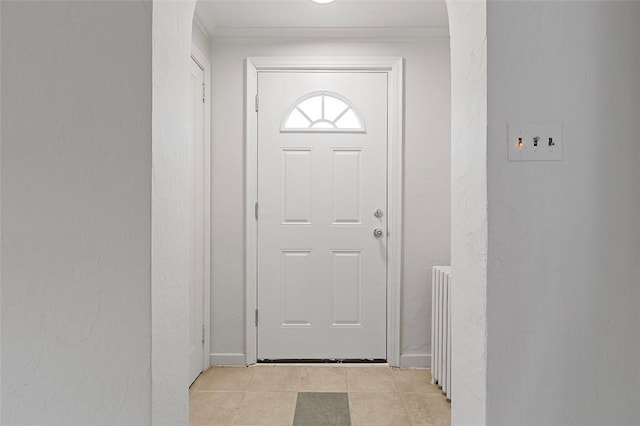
{"x":323,"y":112}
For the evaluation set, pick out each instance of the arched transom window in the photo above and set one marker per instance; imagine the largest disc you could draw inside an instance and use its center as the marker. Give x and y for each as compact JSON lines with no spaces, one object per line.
{"x":323,"y":112}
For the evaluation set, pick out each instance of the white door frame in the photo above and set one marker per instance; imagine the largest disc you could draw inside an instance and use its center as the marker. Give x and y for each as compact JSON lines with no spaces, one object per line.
{"x":205,"y":226}
{"x":393,"y":66}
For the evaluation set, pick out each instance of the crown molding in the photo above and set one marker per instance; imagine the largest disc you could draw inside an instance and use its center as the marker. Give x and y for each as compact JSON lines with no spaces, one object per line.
{"x":198,"y":23}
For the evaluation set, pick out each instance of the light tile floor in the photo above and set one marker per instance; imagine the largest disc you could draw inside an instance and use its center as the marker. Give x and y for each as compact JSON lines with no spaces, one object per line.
{"x":266,"y":395}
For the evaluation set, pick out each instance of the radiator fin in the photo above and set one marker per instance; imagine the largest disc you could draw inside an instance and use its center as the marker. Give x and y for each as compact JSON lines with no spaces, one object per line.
{"x":441,"y":328}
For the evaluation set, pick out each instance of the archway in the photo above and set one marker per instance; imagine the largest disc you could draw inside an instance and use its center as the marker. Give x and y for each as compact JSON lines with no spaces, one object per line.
{"x":172,"y":24}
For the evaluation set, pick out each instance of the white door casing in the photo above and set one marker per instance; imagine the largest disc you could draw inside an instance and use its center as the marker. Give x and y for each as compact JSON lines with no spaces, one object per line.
{"x":199,"y":208}
{"x":322,"y":173}
{"x":196,"y":289}
{"x":391,"y":68}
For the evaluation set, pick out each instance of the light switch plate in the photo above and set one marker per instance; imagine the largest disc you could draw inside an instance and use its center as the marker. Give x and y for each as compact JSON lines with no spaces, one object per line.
{"x":534,"y":142}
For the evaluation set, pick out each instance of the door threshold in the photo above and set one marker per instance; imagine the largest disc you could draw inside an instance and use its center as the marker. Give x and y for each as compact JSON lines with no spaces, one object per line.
{"x":351,"y":361}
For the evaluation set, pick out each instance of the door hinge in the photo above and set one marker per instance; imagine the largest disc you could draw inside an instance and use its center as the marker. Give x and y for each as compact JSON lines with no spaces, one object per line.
{"x":256,"y":317}
{"x":257,"y":103}
{"x":203,"y":332}
{"x":255,"y":210}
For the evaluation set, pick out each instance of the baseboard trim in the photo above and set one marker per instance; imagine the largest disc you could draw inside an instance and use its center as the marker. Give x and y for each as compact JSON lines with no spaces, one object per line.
{"x":415,"y":361}
{"x":225,"y":359}
{"x":406,"y":360}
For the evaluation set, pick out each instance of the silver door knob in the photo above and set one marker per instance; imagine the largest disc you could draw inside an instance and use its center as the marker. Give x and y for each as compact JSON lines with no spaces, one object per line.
{"x":378,"y":232}
{"x":378,"y":213}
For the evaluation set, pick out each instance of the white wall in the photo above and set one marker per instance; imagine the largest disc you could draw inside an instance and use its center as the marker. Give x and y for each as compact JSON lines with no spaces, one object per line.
{"x":172,"y":33}
{"x":564,"y":237}
{"x":427,"y":181}
{"x":467,"y":21}
{"x":76,"y":213}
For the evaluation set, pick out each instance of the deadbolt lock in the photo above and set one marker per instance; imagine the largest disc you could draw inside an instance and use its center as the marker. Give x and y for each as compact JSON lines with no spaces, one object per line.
{"x":378,"y":213}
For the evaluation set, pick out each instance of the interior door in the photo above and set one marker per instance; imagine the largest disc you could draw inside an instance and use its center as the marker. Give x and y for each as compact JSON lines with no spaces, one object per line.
{"x":322,"y":195}
{"x":196,"y":274}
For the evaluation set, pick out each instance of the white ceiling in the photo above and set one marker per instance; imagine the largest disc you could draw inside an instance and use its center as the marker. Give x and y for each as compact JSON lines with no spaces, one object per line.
{"x":228,"y":17}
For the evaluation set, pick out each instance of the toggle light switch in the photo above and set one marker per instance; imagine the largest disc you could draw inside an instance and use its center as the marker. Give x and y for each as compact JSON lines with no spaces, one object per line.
{"x":534,"y":142}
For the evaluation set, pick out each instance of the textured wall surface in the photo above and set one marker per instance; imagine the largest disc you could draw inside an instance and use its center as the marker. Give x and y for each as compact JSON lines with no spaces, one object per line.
{"x":172,"y":32}
{"x":564,"y":275}
{"x":76,"y":213}
{"x":467,"y":20}
{"x":426,"y":181}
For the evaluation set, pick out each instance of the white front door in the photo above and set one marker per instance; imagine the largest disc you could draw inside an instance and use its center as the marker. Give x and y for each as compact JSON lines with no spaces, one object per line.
{"x":322,"y":227}
{"x":196,"y":275}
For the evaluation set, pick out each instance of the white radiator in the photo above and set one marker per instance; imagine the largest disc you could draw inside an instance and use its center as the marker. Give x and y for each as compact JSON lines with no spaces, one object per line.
{"x":441,"y":328}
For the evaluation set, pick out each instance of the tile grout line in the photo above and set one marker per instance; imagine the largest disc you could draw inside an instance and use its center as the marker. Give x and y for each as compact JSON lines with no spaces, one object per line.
{"x":346,"y":382}
{"x":235,"y":415}
{"x":404,"y":404}
{"x":346,"y":379}
{"x":295,"y":407}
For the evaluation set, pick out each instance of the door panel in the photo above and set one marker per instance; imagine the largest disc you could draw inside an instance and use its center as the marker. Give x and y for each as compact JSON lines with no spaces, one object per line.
{"x":347,"y":288}
{"x":346,"y":194}
{"x":296,"y":284}
{"x":321,"y":271}
{"x":296,"y":186}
